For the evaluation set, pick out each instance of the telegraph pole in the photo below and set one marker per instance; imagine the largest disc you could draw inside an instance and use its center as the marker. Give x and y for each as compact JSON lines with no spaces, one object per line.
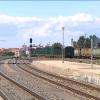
{"x":91,"y":53}
{"x":85,"y":46}
{"x":62,"y":44}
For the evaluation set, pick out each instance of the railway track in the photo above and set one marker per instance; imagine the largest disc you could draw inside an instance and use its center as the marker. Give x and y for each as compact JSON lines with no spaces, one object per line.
{"x":5,"y":97}
{"x":39,"y":86}
{"x":10,"y":91}
{"x":83,"y":89}
{"x":38,"y":97}
{"x":35,"y":96}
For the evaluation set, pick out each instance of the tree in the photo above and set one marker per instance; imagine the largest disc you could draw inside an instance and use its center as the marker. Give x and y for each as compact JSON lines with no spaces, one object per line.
{"x":87,"y":43}
{"x":8,"y":53}
{"x":94,"y":37}
{"x":81,"y":41}
{"x":84,"y":42}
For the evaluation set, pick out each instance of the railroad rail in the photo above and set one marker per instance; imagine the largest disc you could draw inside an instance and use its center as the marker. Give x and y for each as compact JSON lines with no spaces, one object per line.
{"x":5,"y":97}
{"x":3,"y":59}
{"x":33,"y":83}
{"x":22,"y":86}
{"x":63,"y":82}
{"x":11,"y":91}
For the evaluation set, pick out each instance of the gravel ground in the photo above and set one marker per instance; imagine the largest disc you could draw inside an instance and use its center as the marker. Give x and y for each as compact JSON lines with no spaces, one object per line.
{"x":13,"y":91}
{"x":39,"y":86}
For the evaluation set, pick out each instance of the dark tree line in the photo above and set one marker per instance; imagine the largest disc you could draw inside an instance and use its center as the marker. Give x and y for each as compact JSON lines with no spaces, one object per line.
{"x":84,"y":42}
{"x":6,"y":53}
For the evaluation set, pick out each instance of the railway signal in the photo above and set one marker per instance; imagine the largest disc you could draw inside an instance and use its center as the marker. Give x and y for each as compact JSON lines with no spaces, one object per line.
{"x":30,"y":40}
{"x":30,"y":47}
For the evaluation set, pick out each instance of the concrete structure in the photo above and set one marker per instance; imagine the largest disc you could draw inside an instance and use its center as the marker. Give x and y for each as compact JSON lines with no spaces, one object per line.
{"x":24,"y":50}
{"x":24,"y":47}
{"x":16,"y":51}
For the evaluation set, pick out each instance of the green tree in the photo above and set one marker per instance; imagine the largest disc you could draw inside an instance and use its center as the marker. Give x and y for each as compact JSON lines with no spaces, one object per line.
{"x":81,"y":41}
{"x":84,"y":42}
{"x":94,"y":37}
{"x":87,"y":43}
{"x":8,"y":53}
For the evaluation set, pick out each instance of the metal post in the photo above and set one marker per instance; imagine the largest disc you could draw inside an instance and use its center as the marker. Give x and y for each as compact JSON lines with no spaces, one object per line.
{"x":63,"y":45}
{"x":85,"y":46}
{"x":30,"y":54}
{"x":16,"y":60}
{"x":91,"y":53}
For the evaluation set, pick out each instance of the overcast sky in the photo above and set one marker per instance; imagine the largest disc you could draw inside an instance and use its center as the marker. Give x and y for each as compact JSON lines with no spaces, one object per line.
{"x":43,"y":21}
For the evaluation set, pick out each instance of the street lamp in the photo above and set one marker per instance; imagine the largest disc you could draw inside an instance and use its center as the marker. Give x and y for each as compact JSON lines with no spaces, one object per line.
{"x":63,"y":45}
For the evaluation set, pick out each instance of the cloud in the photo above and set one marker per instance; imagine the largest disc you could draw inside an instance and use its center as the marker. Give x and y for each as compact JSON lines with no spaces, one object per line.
{"x":51,"y":27}
{"x":17,"y":20}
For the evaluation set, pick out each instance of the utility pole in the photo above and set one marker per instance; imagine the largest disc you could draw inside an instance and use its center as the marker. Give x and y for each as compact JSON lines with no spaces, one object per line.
{"x":91,"y":53}
{"x":62,"y":44}
{"x":85,"y":46}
